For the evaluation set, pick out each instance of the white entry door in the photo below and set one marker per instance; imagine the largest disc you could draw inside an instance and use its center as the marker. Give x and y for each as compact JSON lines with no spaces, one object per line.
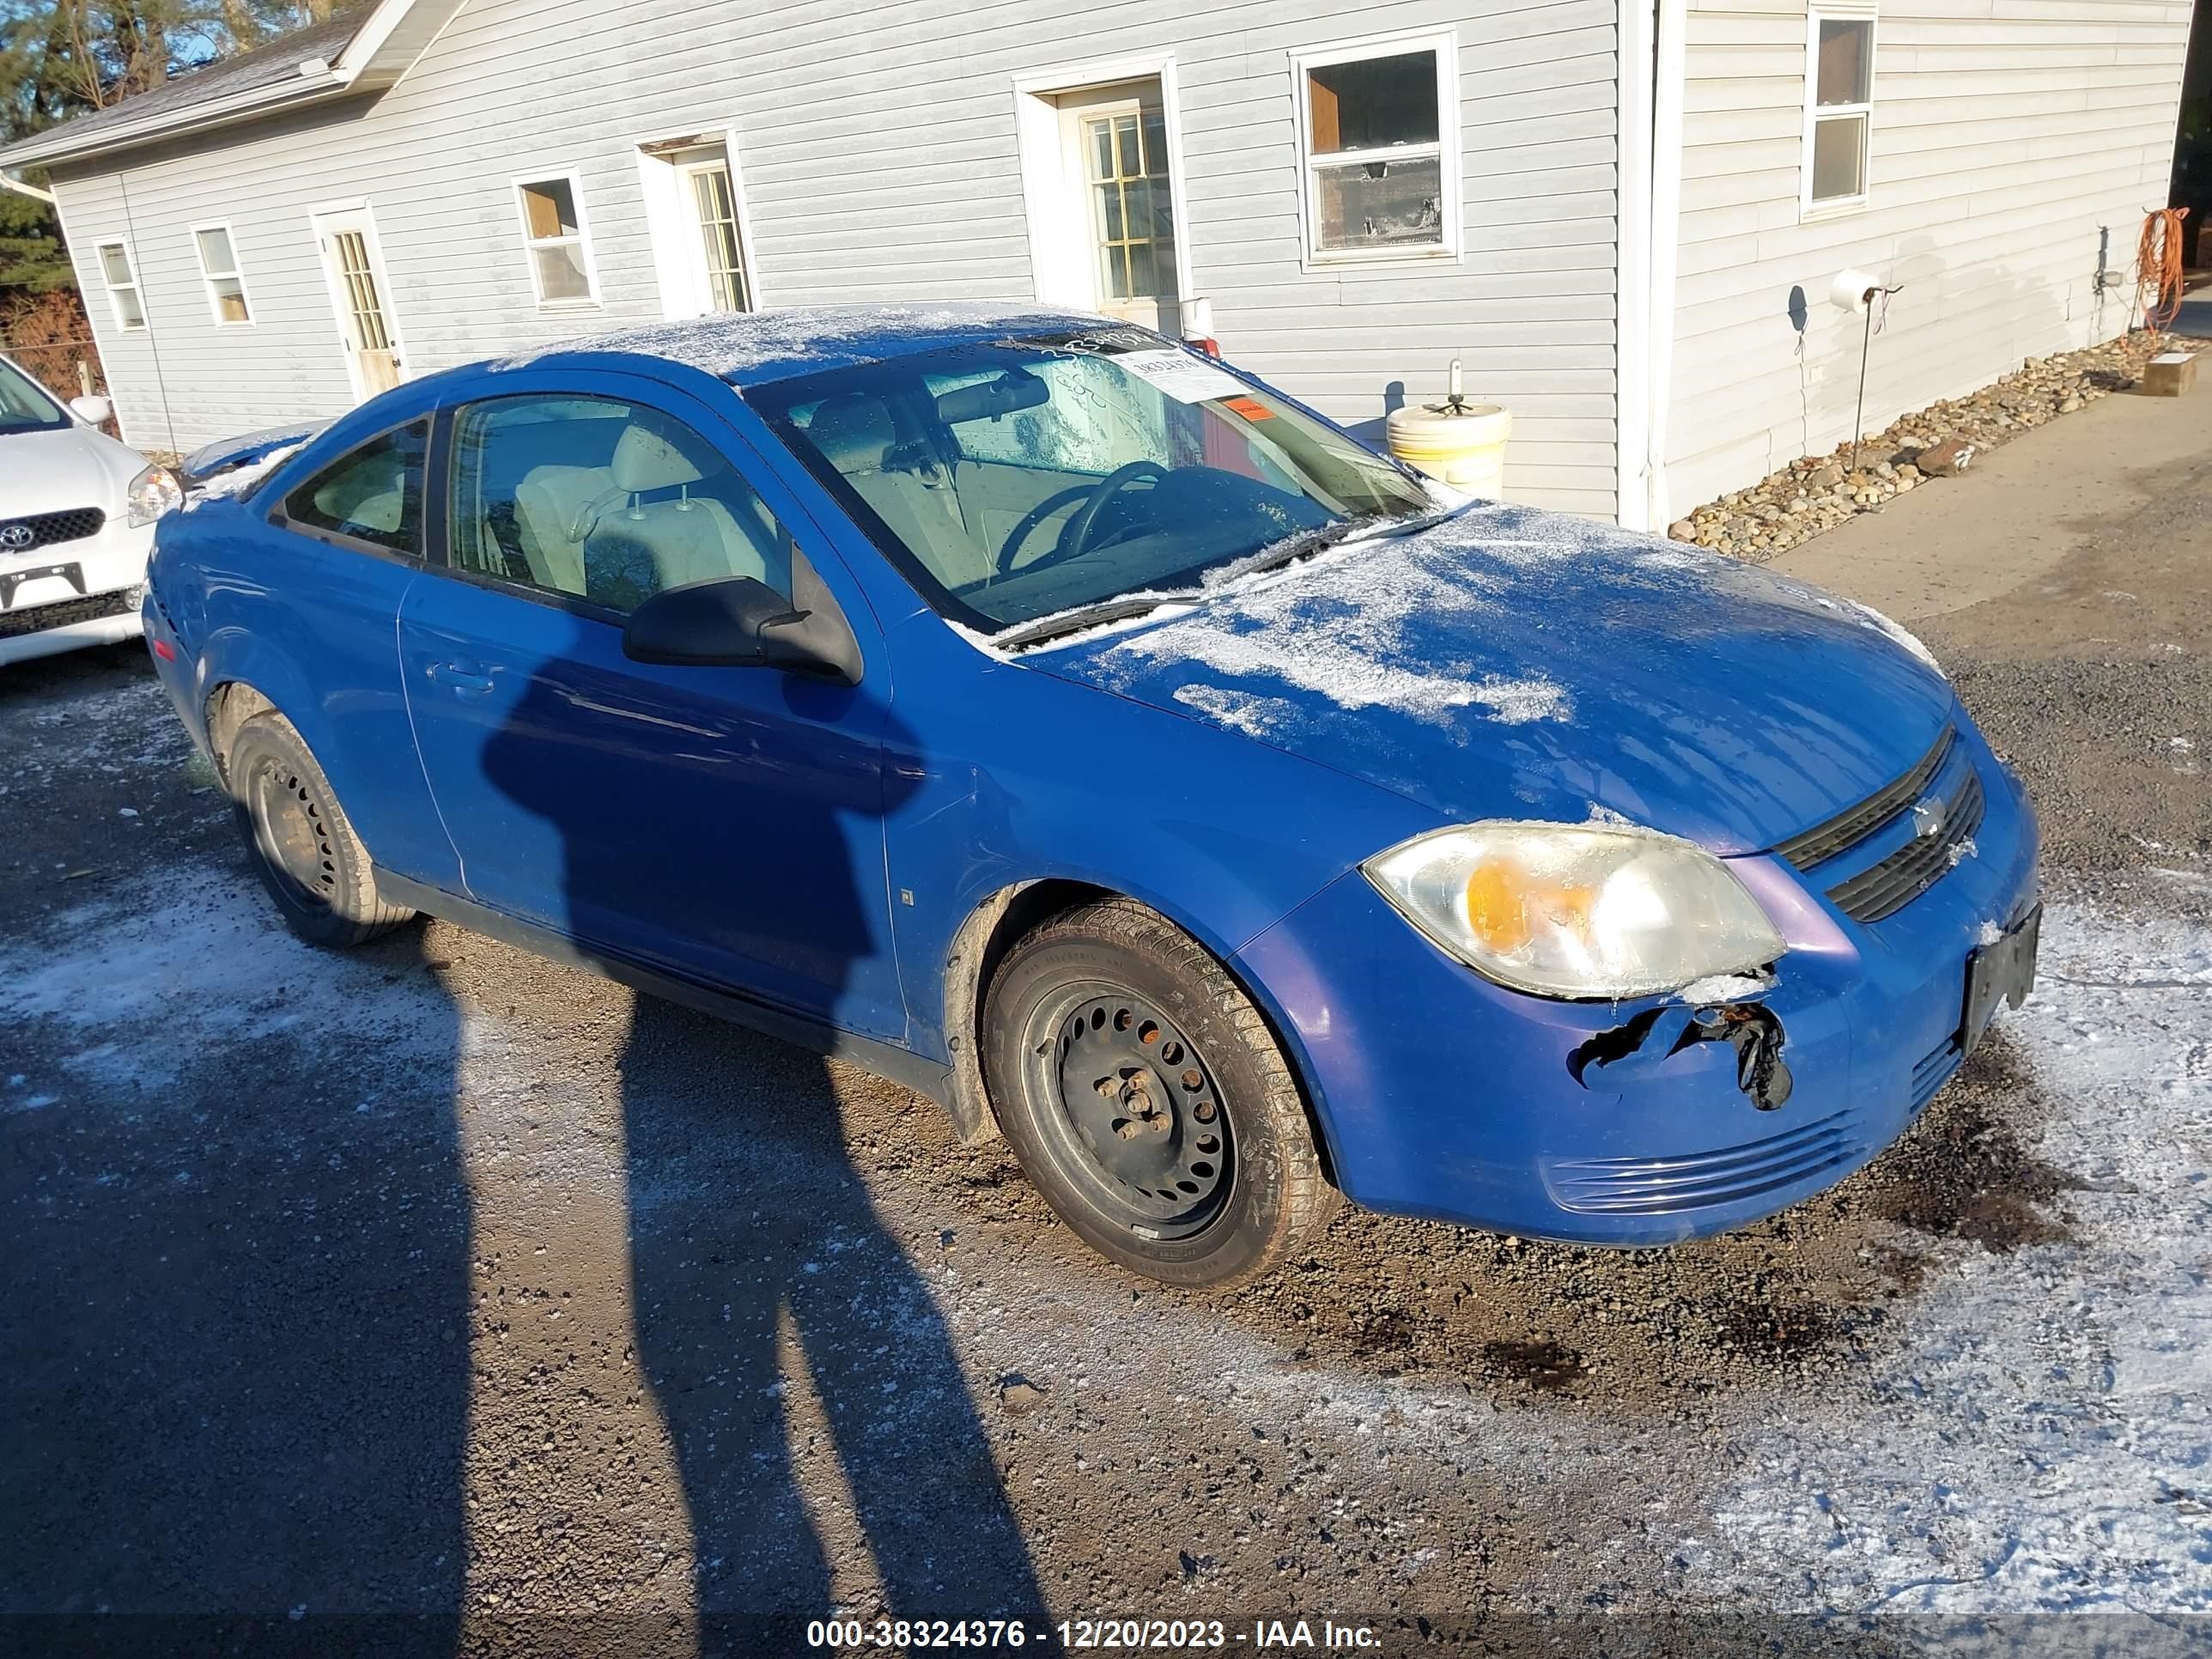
{"x":354,"y":267}
{"x":1116,"y":144}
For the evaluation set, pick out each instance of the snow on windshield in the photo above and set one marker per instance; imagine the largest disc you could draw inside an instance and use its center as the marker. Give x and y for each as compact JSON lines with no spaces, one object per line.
{"x":742,"y":344}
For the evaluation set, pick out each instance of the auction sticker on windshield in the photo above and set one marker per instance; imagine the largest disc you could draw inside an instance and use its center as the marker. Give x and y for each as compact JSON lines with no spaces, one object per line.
{"x":1185,"y":378}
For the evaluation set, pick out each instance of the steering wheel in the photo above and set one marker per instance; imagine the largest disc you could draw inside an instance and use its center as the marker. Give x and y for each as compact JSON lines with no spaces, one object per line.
{"x":1075,"y":535}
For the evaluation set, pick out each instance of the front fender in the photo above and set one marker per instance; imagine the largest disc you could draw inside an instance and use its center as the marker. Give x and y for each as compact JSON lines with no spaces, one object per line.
{"x":1002,"y":777}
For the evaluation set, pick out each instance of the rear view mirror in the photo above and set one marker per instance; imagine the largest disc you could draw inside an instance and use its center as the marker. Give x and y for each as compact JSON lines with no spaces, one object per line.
{"x":91,"y":409}
{"x":1016,"y":389}
{"x":736,"y":621}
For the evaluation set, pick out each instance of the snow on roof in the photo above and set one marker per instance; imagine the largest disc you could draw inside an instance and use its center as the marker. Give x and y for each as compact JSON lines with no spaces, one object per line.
{"x":752,"y":347}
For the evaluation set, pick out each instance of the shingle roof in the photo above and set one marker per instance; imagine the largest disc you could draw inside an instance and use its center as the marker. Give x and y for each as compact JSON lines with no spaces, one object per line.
{"x":264,"y":66}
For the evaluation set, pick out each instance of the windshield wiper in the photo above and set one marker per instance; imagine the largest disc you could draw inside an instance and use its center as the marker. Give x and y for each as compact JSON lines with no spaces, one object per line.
{"x":1089,"y":615}
{"x":1287,"y":551}
{"x":1324,"y":537}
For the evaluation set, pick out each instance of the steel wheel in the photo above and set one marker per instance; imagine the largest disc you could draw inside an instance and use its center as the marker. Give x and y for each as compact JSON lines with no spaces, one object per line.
{"x":1130,"y":1110}
{"x":303,"y":847}
{"x":291,"y":829}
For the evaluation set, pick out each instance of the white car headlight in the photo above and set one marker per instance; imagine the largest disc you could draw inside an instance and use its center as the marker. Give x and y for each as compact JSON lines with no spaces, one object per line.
{"x":152,"y":493}
{"x":1577,"y":910}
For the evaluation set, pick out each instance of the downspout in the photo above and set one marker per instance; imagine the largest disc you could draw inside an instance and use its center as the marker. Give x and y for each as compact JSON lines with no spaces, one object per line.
{"x":1632,"y":313}
{"x":1669,"y":69}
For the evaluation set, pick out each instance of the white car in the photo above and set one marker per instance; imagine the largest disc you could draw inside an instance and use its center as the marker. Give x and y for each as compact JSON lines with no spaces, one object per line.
{"x":77,"y":521}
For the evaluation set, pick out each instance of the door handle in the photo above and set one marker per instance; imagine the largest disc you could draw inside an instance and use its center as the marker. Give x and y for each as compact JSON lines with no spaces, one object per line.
{"x":460,"y":680}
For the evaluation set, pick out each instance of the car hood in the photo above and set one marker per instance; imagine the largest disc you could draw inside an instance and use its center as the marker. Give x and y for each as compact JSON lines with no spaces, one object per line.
{"x":66,"y":468}
{"x":1509,"y":663}
{"x":227,"y":454}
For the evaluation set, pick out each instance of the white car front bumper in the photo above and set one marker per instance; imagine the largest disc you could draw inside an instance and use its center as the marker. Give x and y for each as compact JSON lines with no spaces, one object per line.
{"x":65,"y":595}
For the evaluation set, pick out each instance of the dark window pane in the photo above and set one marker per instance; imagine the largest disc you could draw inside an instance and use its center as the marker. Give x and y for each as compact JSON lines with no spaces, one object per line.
{"x":373,"y":495}
{"x":1380,"y":204}
{"x":1846,"y":62}
{"x":606,"y":501}
{"x":1839,"y":157}
{"x":1375,"y":103}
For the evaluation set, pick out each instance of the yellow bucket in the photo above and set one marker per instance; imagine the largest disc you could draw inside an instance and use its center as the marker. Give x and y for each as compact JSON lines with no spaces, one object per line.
{"x":1463,"y":445}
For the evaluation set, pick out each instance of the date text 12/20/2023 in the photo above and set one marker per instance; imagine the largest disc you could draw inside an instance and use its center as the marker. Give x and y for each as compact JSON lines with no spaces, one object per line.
{"x":1100,"y":1635}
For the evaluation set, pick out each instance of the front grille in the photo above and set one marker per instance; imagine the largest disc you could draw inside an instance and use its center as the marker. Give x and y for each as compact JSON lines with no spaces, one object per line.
{"x":51,"y":529}
{"x":1887,"y":887}
{"x":37,"y":618}
{"x":1848,"y":827}
{"x":1664,"y":1186}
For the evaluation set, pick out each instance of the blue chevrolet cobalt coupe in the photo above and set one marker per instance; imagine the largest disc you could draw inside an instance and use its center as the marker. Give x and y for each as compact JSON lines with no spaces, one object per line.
{"x":1087,"y":735}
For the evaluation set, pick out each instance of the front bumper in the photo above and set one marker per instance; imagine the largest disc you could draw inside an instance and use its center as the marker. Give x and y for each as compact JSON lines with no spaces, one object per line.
{"x":68,"y":595}
{"x":1443,"y":1095}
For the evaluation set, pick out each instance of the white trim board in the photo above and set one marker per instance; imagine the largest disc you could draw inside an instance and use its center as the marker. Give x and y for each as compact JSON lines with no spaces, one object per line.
{"x":1059,"y":258}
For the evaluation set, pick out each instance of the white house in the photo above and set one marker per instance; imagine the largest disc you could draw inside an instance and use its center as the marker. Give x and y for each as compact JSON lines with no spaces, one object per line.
{"x":1626,"y":216}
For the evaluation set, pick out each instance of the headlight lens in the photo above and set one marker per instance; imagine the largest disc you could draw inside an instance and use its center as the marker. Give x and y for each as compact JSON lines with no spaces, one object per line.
{"x":1567,"y":910}
{"x":152,"y":493}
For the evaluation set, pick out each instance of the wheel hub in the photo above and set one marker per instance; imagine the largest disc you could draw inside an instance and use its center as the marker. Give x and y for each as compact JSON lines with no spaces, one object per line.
{"x":1142,"y":1115}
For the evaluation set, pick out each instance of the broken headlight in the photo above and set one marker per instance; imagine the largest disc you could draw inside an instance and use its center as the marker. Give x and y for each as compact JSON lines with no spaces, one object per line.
{"x":1577,"y":910}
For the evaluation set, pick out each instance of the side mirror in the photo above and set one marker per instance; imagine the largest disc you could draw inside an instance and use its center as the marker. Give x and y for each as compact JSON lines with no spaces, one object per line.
{"x":92,"y":408}
{"x":735,"y":622}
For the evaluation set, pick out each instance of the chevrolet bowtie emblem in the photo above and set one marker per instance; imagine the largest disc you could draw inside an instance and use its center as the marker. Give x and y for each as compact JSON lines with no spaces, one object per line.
{"x":1928,"y":815}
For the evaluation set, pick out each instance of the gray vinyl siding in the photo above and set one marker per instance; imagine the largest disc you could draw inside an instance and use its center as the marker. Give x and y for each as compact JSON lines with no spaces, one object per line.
{"x":880,"y":162}
{"x":2005,"y":133}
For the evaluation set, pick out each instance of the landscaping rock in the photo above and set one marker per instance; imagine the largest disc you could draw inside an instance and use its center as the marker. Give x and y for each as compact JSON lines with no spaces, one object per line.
{"x":1819,"y":492}
{"x":1947,"y":459}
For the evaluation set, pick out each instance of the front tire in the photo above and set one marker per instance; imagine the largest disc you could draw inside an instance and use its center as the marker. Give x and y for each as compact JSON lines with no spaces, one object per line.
{"x":1149,"y":1101}
{"x":299,"y":839}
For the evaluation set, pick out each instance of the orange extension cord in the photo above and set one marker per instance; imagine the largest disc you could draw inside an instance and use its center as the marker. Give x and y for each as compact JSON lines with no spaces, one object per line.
{"x":2158,"y":267}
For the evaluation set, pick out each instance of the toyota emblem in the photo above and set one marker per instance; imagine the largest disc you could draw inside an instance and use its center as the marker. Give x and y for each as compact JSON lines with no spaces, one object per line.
{"x":15,"y":537}
{"x":1928,"y":815}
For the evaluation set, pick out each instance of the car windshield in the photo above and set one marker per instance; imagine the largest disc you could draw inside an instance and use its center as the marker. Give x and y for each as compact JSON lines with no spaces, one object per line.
{"x":24,"y":404}
{"x":1032,"y":478}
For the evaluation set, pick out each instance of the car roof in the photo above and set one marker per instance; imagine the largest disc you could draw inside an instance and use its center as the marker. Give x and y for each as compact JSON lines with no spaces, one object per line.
{"x":749,"y":348}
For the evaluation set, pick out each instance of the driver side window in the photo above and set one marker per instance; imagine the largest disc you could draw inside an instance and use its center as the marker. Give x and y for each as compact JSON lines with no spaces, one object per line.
{"x":605,"y":502}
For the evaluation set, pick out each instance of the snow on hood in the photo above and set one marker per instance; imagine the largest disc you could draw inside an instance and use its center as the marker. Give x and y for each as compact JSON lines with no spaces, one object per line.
{"x":1510,"y":663}
{"x":753,"y":347}
{"x":244,"y":448}
{"x":240,"y":479}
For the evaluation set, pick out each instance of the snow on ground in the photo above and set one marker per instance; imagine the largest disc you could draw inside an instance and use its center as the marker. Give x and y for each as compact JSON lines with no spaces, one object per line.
{"x":2043,"y":1439}
{"x":2036,"y":1438}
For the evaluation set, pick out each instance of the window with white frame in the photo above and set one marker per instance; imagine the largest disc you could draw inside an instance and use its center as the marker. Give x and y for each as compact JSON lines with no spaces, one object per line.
{"x":1378,"y":133}
{"x":225,"y":285}
{"x":559,"y":247}
{"x":1838,"y":105}
{"x":120,"y":277}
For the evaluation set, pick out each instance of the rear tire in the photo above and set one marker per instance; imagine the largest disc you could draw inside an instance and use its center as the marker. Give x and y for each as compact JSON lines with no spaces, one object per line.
{"x":1148,"y":1100}
{"x":299,"y":839}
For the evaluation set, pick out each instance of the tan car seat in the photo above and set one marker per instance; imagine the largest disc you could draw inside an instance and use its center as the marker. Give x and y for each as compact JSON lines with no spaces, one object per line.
{"x":553,"y":515}
{"x":651,"y":546}
{"x":856,"y":435}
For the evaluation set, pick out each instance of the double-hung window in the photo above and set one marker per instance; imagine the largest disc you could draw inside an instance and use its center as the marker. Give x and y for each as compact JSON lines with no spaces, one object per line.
{"x":557,"y":240}
{"x":1379,"y":131}
{"x":120,"y":277}
{"x":226,"y":283}
{"x":1838,"y":105}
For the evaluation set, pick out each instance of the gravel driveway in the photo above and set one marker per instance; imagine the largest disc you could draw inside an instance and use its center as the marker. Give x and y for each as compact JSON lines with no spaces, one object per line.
{"x":433,"y":1297}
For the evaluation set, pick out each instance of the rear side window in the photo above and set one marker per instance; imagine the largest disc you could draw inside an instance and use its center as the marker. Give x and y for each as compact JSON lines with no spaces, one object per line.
{"x":375,"y":493}
{"x":605,"y":502}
